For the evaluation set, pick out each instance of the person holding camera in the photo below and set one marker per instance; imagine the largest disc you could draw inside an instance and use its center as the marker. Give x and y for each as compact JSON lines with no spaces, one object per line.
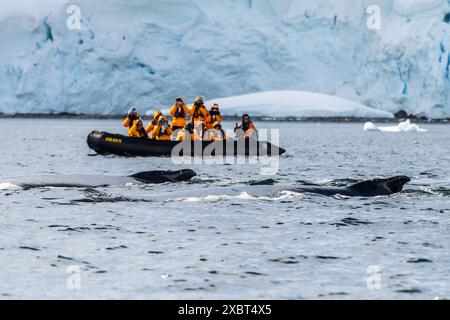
{"x":162,"y":130}
{"x":199,"y":116}
{"x":131,"y":118}
{"x":137,"y":130}
{"x":214,"y":116}
{"x":179,"y":111}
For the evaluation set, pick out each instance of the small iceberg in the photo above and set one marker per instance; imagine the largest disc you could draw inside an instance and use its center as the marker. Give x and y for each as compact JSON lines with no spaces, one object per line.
{"x":8,"y":186}
{"x":404,"y":126}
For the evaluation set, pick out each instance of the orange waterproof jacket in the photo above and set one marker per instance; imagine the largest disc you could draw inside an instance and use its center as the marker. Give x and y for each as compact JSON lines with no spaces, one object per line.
{"x":212,"y":120}
{"x":201,"y":114}
{"x":152,"y":124}
{"x":178,"y":114}
{"x":130,"y":120}
{"x":136,"y":133}
{"x":159,"y":135}
{"x":250,"y":131}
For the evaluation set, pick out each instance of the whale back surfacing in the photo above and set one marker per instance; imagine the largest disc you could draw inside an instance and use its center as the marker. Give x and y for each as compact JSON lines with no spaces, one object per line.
{"x":368,"y":188}
{"x":164,"y":176}
{"x":93,"y":181}
{"x":379,"y":187}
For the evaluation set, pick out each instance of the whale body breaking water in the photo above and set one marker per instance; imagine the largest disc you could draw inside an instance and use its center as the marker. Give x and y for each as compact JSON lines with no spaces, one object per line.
{"x":367,"y":188}
{"x":93,"y":181}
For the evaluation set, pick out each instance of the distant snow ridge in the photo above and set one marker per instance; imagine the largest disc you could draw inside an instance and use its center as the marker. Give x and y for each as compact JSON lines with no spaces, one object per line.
{"x":296,"y":104}
{"x":146,"y":53}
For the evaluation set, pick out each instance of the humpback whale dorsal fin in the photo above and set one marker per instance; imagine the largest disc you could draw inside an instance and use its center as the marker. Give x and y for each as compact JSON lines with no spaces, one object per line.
{"x":395,"y":184}
{"x":158,"y":176}
{"x":380,"y":186}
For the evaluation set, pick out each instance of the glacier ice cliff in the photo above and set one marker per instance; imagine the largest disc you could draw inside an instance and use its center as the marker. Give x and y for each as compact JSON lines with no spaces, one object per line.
{"x":145,"y":53}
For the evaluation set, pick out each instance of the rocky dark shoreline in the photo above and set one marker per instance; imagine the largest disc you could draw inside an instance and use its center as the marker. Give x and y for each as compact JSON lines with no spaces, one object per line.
{"x":398,"y":116}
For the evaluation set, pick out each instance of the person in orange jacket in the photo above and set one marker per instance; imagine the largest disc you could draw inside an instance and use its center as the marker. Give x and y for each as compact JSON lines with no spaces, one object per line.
{"x":214,"y":116}
{"x":137,"y":130}
{"x":199,"y":115}
{"x":131,"y":118}
{"x":246,"y":130}
{"x":162,"y":130}
{"x":187,"y":133}
{"x":216,"y":133}
{"x":179,"y":111}
{"x":154,"y":122}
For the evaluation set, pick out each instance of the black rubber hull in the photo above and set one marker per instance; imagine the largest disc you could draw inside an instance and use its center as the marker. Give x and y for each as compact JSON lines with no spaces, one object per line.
{"x":107,"y":143}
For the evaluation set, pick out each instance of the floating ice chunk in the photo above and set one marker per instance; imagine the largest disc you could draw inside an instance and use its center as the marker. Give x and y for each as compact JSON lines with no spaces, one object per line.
{"x":8,"y":186}
{"x":404,"y":126}
{"x":370,"y":126}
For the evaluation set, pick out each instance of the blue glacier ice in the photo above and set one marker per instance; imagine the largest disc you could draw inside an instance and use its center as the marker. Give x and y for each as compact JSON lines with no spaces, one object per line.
{"x":145,"y":53}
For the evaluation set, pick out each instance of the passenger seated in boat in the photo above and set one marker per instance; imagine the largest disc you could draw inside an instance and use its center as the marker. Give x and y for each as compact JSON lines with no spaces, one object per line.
{"x":178,"y":112}
{"x":154,"y":122}
{"x":162,"y":130}
{"x":246,"y":130}
{"x":216,"y":133}
{"x":187,"y":133}
{"x":138,"y":130}
{"x":131,"y":118}
{"x":214,"y":116}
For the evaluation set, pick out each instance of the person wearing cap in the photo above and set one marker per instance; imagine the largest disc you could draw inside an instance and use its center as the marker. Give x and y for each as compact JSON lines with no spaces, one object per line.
{"x":156,"y":117}
{"x":162,"y":130}
{"x":199,"y":116}
{"x":131,"y":118}
{"x":216,"y":133}
{"x":137,"y":130}
{"x":214,"y":116}
{"x":246,"y":129}
{"x":178,"y":111}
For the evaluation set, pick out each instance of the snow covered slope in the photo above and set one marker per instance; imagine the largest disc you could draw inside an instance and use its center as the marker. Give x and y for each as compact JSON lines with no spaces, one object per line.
{"x":296,"y":104}
{"x":146,"y":53}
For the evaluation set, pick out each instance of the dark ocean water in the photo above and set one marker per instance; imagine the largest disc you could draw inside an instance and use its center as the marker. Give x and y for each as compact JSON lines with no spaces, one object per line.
{"x":290,"y":246}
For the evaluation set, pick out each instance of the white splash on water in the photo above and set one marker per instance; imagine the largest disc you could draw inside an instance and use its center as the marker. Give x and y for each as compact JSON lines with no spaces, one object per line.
{"x":242,"y":196}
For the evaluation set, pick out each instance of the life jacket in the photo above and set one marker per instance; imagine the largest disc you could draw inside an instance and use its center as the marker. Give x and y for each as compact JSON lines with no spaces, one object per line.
{"x":143,"y":133}
{"x":179,"y":113}
{"x":246,"y":126}
{"x":199,"y":112}
{"x":244,"y":129}
{"x":137,"y":133}
{"x":129,"y":121}
{"x":216,"y":117}
{"x":163,"y":133}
